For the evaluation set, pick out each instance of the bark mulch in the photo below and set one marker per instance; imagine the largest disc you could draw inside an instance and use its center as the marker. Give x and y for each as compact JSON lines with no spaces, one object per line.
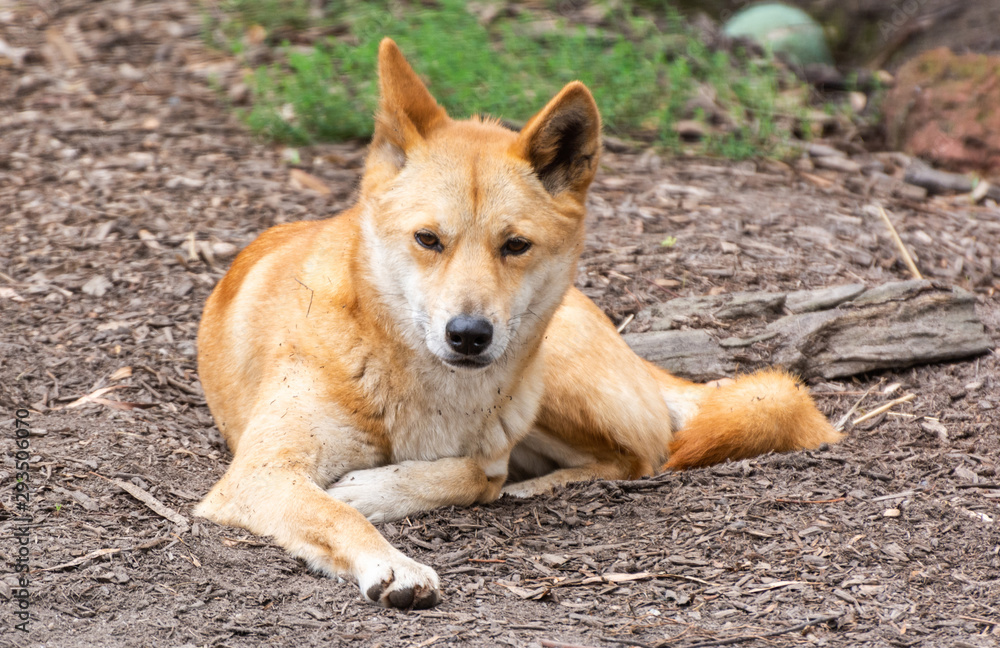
{"x":126,"y":187}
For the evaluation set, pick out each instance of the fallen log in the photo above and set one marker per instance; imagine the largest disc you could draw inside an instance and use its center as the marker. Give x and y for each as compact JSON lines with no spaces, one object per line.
{"x":830,"y":333}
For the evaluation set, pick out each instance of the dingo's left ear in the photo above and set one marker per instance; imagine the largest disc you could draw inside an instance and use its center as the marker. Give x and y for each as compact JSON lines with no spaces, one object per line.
{"x":406,"y":110}
{"x":563,"y":140}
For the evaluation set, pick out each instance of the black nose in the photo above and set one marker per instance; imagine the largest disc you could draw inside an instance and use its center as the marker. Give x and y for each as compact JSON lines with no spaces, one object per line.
{"x":468,"y":335}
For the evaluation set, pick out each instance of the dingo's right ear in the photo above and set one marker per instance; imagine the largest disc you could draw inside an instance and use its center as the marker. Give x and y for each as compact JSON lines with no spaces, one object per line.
{"x":406,"y":110}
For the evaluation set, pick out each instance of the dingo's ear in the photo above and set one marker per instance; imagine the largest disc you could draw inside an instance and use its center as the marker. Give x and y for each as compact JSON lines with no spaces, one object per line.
{"x":406,"y":110}
{"x":563,"y":140}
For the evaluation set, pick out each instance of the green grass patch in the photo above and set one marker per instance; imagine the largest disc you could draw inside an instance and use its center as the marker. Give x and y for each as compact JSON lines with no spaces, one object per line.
{"x":643,"y":74}
{"x":273,"y":15}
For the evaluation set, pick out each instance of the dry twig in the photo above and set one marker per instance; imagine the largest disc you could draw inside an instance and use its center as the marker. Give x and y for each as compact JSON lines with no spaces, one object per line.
{"x":81,"y":559}
{"x":826,"y":501}
{"x":151,"y":502}
{"x":888,"y":406}
{"x":907,"y":259}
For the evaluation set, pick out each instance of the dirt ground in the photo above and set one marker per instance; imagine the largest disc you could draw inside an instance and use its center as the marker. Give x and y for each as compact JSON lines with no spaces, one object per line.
{"x":122,"y":178}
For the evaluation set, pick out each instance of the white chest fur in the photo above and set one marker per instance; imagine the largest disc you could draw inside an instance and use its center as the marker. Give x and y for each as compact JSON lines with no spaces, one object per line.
{"x":455,"y":413}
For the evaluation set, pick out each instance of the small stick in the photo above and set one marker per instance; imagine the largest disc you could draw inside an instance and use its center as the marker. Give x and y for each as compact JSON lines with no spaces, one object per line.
{"x":184,"y":388}
{"x":907,"y":259}
{"x":899,"y":495}
{"x":151,"y":502}
{"x":672,"y":293}
{"x":626,"y":322}
{"x":152,"y":544}
{"x":878,"y":410}
{"x":81,"y":559}
{"x":826,"y":501}
{"x":689,"y":578}
{"x":627,"y":642}
{"x":242,"y":541}
{"x":677,"y":637}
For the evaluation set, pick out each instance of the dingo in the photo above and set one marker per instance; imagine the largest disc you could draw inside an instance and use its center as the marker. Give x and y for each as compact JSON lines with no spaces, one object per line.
{"x":415,"y":350}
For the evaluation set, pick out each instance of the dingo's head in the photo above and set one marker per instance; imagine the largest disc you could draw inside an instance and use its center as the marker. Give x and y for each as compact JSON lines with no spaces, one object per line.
{"x":472,"y":231}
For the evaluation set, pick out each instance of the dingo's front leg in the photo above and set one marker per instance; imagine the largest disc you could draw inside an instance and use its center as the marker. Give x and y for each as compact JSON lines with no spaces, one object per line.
{"x":271,"y":489}
{"x":392,"y":492}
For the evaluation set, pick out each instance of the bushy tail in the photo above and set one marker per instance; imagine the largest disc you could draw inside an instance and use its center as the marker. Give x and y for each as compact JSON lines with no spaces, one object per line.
{"x":762,"y":412}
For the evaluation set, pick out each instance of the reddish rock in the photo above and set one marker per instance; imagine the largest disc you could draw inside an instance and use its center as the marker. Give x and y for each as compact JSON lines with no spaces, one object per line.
{"x":945,"y":108}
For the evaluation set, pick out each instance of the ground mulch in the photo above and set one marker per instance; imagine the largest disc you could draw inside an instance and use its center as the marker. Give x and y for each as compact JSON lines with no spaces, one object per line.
{"x":126,"y":186}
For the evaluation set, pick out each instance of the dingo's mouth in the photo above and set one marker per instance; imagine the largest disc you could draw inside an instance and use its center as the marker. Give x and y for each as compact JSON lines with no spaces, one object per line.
{"x":467,"y":363}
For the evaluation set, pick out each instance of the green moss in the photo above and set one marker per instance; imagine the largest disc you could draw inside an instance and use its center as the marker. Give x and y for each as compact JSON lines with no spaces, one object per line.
{"x":643,"y":73}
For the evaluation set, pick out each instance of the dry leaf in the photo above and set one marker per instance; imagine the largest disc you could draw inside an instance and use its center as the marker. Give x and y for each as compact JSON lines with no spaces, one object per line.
{"x":10,"y":293}
{"x":121,"y":373}
{"x":524,"y":593}
{"x":90,"y":398}
{"x":149,"y":240}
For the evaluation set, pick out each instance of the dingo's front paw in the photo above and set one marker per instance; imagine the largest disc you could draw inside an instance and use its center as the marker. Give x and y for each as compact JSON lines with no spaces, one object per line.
{"x":398,"y":582}
{"x":375,"y":493}
{"x":525,"y":489}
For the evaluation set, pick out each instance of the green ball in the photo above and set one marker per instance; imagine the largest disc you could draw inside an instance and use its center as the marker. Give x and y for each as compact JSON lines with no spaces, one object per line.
{"x":782,"y":29}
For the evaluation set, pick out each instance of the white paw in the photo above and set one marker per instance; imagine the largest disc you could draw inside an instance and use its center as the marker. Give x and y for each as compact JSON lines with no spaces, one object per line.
{"x":399,"y":582}
{"x":524,"y":489}
{"x":373,"y":492}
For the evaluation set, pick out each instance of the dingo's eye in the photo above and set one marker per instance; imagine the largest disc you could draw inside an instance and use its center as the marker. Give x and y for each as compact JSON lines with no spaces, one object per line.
{"x":515,"y":246}
{"x":428,"y":240}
